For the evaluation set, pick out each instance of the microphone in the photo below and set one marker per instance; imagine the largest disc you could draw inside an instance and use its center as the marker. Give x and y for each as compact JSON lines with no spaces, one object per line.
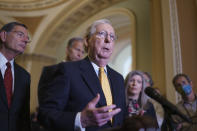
{"x":151,"y":92}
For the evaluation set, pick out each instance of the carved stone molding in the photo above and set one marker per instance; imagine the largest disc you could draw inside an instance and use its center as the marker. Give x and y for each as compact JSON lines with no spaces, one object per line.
{"x":176,"y":44}
{"x":29,"y":4}
{"x":175,"y":37}
{"x":76,"y":18}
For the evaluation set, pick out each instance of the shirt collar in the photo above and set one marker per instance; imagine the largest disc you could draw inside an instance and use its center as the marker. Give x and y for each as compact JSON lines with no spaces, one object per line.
{"x":97,"y":67}
{"x":3,"y":61}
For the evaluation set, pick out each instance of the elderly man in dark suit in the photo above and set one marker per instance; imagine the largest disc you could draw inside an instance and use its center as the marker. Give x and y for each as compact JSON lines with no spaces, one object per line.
{"x":14,"y":80}
{"x":76,"y":99}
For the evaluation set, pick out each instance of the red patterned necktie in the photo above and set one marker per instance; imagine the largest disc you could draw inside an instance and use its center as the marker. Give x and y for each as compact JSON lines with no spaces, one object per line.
{"x":8,"y":83}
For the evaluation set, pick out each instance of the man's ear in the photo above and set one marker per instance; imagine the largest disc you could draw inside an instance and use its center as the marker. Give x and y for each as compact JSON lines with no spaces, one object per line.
{"x":191,"y":84}
{"x":86,"y":42}
{"x":3,"y":35}
{"x":66,"y":50}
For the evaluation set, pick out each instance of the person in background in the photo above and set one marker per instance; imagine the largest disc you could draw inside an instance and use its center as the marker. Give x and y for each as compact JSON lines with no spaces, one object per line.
{"x":148,"y":79}
{"x":188,"y":105}
{"x":75,"y":49}
{"x":86,"y":94}
{"x":158,"y":108}
{"x":14,"y":80}
{"x":74,"y":52}
{"x":136,"y":99}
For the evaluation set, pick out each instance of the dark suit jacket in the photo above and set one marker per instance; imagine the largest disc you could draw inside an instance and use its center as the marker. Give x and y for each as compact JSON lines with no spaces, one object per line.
{"x":74,"y":85}
{"x":17,"y":117}
{"x":47,"y":75}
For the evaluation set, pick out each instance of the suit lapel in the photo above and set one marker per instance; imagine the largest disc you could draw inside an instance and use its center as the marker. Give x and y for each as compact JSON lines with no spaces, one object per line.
{"x":113,"y":85}
{"x":115,"y":89}
{"x":2,"y":91}
{"x":90,"y":77}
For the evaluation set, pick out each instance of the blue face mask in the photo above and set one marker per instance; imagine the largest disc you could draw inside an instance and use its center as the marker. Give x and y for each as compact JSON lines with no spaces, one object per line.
{"x":187,"y":89}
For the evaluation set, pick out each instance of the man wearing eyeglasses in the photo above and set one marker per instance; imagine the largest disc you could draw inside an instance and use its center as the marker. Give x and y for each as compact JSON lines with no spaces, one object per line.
{"x":76,"y":99}
{"x":14,"y":80}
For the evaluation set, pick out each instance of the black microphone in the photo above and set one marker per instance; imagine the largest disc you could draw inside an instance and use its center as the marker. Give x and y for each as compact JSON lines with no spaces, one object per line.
{"x":151,"y":92}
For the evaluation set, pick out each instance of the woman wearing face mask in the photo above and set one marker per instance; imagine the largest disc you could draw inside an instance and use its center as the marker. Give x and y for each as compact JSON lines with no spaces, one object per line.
{"x":188,"y":104}
{"x":137,"y":100}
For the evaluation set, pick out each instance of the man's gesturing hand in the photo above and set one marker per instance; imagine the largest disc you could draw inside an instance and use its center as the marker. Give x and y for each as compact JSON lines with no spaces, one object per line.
{"x":92,"y":116}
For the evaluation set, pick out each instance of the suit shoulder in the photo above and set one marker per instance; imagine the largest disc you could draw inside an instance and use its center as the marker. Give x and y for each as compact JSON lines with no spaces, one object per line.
{"x":21,"y":70}
{"x":70,"y":64}
{"x":114,"y":72}
{"x":50,"y":66}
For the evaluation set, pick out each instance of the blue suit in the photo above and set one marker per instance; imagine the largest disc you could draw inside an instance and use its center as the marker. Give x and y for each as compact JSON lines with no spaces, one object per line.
{"x":17,"y":117}
{"x":74,"y":85}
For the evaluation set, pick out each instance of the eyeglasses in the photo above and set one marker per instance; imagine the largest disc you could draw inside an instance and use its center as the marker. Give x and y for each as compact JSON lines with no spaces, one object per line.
{"x":146,"y":80}
{"x":104,"y":35}
{"x":20,"y":34}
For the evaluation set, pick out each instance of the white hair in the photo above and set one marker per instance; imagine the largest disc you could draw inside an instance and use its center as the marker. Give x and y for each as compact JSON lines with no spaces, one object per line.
{"x":92,"y":28}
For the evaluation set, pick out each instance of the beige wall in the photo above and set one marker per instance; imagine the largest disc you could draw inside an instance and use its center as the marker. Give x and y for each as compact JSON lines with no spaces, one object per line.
{"x":158,"y":66}
{"x":187,"y":13}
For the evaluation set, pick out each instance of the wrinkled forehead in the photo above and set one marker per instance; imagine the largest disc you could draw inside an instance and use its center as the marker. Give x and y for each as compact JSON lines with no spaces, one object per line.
{"x":105,"y":27}
{"x":20,"y":28}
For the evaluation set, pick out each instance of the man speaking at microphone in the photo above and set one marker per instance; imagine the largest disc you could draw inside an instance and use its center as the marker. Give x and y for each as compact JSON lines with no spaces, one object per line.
{"x":188,"y":104}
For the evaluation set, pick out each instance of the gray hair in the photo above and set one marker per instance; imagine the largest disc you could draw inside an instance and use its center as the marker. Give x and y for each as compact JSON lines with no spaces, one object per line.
{"x":72,"y":40}
{"x":143,"y":98}
{"x":92,"y":28}
{"x":9,"y":26}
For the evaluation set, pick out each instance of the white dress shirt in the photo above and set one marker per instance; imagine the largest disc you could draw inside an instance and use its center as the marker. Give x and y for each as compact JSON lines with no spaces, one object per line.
{"x":3,"y":67}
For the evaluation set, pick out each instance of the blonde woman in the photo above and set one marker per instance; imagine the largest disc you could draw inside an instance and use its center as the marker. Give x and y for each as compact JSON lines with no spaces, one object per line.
{"x":137,"y":100}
